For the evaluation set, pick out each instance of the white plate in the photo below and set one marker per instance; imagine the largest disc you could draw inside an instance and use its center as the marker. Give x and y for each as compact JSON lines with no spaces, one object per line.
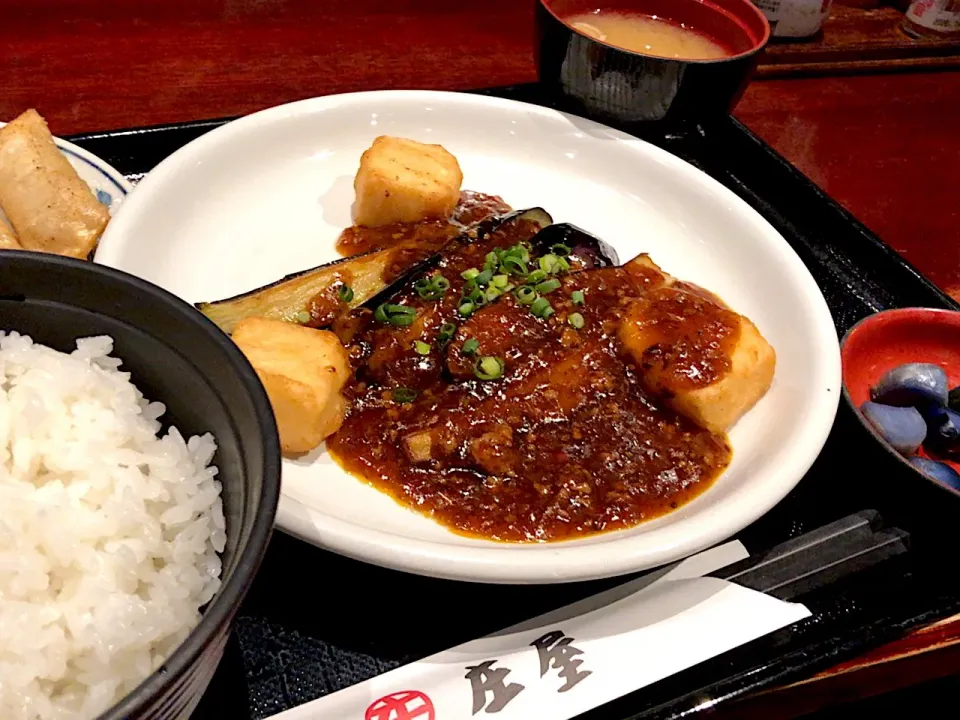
{"x":110,"y":186}
{"x":267,"y":195}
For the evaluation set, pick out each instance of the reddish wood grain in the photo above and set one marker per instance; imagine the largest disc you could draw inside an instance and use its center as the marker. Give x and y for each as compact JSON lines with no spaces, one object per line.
{"x":925,"y":655}
{"x":94,"y":65}
{"x":886,"y":146}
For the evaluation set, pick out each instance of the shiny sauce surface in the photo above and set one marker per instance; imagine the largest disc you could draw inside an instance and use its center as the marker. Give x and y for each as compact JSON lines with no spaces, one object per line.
{"x":472,"y":208}
{"x":694,"y":337}
{"x":565,"y":443}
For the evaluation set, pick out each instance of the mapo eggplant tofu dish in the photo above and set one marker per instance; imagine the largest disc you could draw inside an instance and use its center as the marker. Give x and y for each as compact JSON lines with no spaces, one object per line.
{"x":508,"y":376}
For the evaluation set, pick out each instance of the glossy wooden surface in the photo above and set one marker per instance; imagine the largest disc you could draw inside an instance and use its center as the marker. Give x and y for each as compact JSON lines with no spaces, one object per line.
{"x":886,"y":146}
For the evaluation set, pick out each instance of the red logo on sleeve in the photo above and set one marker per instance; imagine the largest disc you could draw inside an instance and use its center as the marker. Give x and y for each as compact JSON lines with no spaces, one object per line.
{"x":405,"y":705}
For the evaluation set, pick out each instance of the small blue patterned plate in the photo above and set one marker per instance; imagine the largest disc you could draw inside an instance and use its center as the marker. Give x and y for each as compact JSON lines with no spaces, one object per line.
{"x":108,"y":183}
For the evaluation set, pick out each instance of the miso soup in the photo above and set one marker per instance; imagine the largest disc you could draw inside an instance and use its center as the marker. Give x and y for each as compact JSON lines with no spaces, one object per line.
{"x":648,"y":34}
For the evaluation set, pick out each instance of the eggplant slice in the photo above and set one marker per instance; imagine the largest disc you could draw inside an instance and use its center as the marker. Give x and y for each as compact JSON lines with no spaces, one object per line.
{"x":538,"y":216}
{"x":590,"y":251}
{"x":286,"y":298}
{"x":369,"y":276}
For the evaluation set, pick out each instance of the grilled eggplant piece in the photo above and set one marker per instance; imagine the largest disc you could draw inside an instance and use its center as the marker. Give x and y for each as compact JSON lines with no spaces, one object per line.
{"x":369,"y":276}
{"x":286,"y":298}
{"x":473,"y":234}
{"x":393,"y":358}
{"x":590,"y":251}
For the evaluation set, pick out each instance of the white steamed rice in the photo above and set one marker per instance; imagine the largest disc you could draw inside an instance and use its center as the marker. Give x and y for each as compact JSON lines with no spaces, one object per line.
{"x":109,"y":534}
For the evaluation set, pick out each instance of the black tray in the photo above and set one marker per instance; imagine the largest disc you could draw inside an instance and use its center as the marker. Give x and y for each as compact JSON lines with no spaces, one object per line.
{"x":315,"y":622}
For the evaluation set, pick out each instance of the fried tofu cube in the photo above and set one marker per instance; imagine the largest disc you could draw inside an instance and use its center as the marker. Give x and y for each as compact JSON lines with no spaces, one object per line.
{"x":8,"y":241}
{"x":646,"y":274}
{"x":304,"y":372}
{"x":707,"y":362}
{"x":404,"y":181}
{"x":48,"y":204}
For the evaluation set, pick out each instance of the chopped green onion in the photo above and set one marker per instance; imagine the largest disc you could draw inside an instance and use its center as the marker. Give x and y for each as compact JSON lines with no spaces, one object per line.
{"x":540,"y":308}
{"x":492,"y":293}
{"x":345,"y":293}
{"x":466,"y":309}
{"x":421,"y":347}
{"x":576,"y":320}
{"x":513,"y":266}
{"x":488,"y":368}
{"x":548,"y":263}
{"x":525,"y":294}
{"x":473,"y":294}
{"x":509,"y":287}
{"x":536,"y":276}
{"x":303,"y":317}
{"x":491,"y":260}
{"x":514,"y":251}
{"x":576,"y":297}
{"x":562,"y":264}
{"x":399,"y":315}
{"x":447,"y":331}
{"x":547,"y":286}
{"x":484,"y":277}
{"x":480,"y":300}
{"x":432,"y":288}
{"x":470,"y":346}
{"x":500,"y":281}
{"x":469,"y":274}
{"x":404,"y":395}
{"x":560,"y":249}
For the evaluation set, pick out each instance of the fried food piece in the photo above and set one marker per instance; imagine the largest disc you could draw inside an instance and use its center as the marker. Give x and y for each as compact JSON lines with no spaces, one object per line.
{"x":303,"y":371}
{"x":708,"y":362}
{"x":8,"y":241}
{"x":404,"y":181}
{"x":646,"y":274}
{"x":51,"y":208}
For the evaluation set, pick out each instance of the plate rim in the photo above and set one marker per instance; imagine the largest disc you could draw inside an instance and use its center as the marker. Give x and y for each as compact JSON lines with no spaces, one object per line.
{"x":508,"y":563}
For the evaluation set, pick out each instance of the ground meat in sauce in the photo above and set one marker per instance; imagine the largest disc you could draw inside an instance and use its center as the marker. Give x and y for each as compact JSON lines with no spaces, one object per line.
{"x":565,"y":444}
{"x":472,"y":208}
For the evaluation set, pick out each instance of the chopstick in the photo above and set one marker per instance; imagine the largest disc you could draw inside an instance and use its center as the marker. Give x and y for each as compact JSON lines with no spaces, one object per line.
{"x":819,"y":557}
{"x":787,"y":571}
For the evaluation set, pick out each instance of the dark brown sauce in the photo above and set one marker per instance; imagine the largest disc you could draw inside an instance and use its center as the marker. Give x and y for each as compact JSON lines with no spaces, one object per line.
{"x":692,"y":337}
{"x":326,"y":306}
{"x":472,"y":208}
{"x":356,"y":240}
{"x":566,"y":443}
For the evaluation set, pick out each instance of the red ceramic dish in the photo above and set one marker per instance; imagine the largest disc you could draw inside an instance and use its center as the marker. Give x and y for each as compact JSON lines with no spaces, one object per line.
{"x":890,"y":338}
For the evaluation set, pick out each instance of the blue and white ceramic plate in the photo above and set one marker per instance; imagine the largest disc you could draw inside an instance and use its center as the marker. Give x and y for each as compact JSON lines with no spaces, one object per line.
{"x":110,"y":186}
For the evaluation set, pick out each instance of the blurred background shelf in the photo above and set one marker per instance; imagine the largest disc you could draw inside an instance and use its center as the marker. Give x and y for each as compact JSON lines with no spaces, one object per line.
{"x":858,"y":40}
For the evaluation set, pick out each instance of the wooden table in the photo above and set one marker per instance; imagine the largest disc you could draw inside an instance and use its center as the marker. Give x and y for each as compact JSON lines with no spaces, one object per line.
{"x":886,"y":146}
